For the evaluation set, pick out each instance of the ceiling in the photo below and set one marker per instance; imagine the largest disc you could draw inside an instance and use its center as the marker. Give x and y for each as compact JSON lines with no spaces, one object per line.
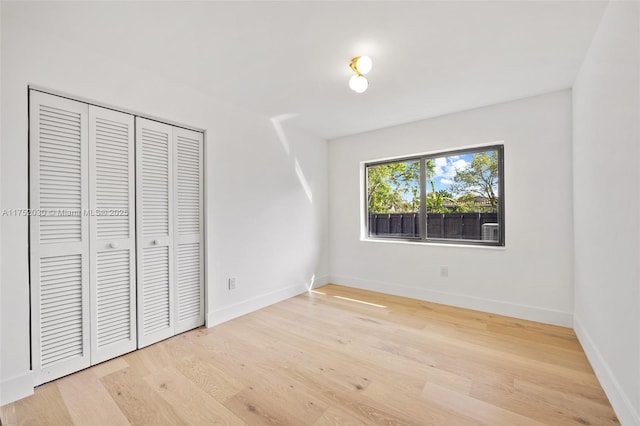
{"x":290,"y":59}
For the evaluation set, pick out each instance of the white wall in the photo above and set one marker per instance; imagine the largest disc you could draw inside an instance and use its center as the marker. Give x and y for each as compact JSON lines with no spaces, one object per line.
{"x":606,"y":114}
{"x":266,"y":187}
{"x":532,"y":277}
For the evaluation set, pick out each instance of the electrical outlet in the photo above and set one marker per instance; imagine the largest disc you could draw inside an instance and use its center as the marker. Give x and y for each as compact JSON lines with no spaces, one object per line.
{"x":444,"y":271}
{"x":232,"y":283}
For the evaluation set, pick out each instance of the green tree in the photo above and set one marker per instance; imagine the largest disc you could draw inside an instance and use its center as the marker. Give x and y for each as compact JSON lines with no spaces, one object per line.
{"x":393,"y":187}
{"x":436,"y":199}
{"x":480,"y":178}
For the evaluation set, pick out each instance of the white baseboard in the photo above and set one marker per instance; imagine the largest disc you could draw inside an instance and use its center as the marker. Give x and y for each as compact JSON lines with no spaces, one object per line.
{"x":531,"y":313}
{"x":320,"y":281}
{"x":236,"y":310}
{"x":625,"y":410}
{"x":16,"y":388}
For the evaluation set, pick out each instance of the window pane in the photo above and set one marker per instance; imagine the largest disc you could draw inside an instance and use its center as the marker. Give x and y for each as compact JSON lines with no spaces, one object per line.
{"x":393,"y":199}
{"x":463,"y":196}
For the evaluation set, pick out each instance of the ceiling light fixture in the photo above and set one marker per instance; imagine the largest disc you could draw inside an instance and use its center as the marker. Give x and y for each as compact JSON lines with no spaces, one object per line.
{"x":358,"y":83}
{"x":360,"y":65}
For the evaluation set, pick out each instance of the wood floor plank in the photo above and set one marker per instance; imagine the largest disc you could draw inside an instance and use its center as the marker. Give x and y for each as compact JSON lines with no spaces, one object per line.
{"x":525,"y":332}
{"x":503,"y":360}
{"x":88,"y":401}
{"x":351,"y":401}
{"x":577,"y":407}
{"x":276,"y":399}
{"x":138,"y":401}
{"x":519,"y":345}
{"x":335,"y":417}
{"x":338,"y":356}
{"x":411,"y":404}
{"x":480,"y":410}
{"x":109,"y":367}
{"x":206,"y":376}
{"x":45,"y":407}
{"x":335,"y":364}
{"x":363,"y":356}
{"x":529,"y":404}
{"x":194,"y":406}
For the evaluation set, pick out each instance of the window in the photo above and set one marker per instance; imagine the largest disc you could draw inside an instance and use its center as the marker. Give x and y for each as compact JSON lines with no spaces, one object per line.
{"x":453,"y":197}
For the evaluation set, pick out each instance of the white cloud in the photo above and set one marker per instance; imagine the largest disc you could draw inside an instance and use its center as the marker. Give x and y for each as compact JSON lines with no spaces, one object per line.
{"x":452,"y":168}
{"x":446,"y":167}
{"x":441,"y":161}
{"x":440,"y":164}
{"x":460,"y":165}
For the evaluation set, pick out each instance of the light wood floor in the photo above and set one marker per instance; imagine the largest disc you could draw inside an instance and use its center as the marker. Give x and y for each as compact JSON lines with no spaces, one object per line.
{"x":322,"y":358}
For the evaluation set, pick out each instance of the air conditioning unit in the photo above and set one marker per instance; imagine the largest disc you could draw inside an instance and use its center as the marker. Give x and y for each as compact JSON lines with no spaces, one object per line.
{"x":490,"y":232}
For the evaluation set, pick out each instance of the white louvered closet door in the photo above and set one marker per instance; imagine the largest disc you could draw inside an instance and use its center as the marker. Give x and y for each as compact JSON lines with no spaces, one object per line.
{"x":112,"y":225}
{"x":59,"y":236}
{"x":189,"y":271}
{"x":154,"y":228}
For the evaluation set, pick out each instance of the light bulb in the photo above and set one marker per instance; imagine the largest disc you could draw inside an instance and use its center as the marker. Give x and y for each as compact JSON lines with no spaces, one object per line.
{"x":364,"y":64}
{"x":358,"y":83}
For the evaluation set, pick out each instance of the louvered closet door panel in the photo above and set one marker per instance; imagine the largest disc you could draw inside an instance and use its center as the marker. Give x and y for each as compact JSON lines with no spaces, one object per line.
{"x":113,"y":261}
{"x":59,"y":235}
{"x":189,"y":253}
{"x":154,"y":228}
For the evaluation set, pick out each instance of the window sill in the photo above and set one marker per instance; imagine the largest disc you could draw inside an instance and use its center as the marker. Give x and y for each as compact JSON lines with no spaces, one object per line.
{"x":430,"y":243}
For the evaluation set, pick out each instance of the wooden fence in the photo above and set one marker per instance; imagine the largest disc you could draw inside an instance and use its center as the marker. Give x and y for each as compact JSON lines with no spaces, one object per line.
{"x":462,"y":226}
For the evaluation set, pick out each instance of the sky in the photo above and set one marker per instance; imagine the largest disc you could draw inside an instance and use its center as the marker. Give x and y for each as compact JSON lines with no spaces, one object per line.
{"x":445,"y":169}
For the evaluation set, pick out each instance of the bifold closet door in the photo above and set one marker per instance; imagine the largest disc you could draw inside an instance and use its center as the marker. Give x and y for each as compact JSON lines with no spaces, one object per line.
{"x":112,"y":225}
{"x":189,"y":277}
{"x":59,"y":236}
{"x":154,"y":229}
{"x":116,"y":233}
